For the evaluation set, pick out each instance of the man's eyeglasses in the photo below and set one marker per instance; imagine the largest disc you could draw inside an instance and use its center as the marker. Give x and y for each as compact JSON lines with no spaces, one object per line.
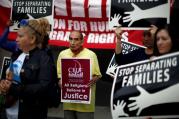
{"x":76,"y":39}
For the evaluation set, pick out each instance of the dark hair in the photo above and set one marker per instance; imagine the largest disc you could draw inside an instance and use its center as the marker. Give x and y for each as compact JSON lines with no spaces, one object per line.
{"x":174,"y":38}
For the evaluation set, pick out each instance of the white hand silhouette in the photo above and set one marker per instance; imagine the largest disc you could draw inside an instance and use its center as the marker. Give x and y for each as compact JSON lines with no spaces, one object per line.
{"x":111,"y":69}
{"x":119,"y":109}
{"x":154,"y":12}
{"x":15,"y":26}
{"x":140,"y":101}
{"x":133,"y":15}
{"x":115,"y":21}
{"x":145,"y":99}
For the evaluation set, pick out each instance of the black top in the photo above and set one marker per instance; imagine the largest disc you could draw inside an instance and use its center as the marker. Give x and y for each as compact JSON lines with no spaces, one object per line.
{"x":35,"y":79}
{"x":134,"y":56}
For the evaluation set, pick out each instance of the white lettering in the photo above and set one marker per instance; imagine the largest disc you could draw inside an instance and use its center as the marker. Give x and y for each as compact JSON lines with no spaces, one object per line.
{"x":100,"y":38}
{"x":77,"y":25}
{"x":60,"y":35}
{"x":59,"y":24}
{"x":75,"y":96}
{"x":158,"y":76}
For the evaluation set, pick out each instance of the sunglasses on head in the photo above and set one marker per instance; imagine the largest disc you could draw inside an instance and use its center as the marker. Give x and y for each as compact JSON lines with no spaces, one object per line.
{"x":25,"y":22}
{"x":76,"y":39}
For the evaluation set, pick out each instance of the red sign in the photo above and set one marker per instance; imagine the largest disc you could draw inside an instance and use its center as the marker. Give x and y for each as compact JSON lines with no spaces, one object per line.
{"x":76,"y":74}
{"x":88,"y":16}
{"x":68,"y":18}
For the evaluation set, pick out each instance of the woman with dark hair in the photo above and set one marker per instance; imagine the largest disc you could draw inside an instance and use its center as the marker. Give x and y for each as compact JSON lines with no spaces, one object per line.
{"x":165,"y":41}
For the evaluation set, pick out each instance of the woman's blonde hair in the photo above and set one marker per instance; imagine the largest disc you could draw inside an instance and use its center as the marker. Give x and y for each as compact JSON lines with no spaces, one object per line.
{"x":39,"y":28}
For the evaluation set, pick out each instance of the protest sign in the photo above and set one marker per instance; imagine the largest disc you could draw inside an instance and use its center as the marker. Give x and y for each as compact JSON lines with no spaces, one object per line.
{"x":138,"y":14}
{"x":76,"y":74}
{"x":127,"y":47}
{"x":5,"y":65}
{"x":147,"y":88}
{"x":31,"y":9}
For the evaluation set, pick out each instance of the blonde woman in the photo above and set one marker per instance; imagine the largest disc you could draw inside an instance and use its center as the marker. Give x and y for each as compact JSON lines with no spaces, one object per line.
{"x":32,"y":69}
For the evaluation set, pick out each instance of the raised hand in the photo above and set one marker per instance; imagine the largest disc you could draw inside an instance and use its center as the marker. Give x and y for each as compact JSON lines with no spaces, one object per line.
{"x":153,"y":30}
{"x":118,"y":31}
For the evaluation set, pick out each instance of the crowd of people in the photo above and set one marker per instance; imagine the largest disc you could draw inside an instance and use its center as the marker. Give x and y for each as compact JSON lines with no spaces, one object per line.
{"x":158,"y":41}
{"x":30,"y":71}
{"x":25,"y":83}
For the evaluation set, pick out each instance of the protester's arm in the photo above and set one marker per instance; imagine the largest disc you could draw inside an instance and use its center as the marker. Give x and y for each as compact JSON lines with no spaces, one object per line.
{"x":59,"y":71}
{"x":96,"y":74}
{"x":118,"y":48}
{"x":94,"y":79}
{"x":153,"y":30}
{"x":5,"y":44}
{"x":4,"y":36}
{"x":5,"y":83}
{"x":60,"y":83}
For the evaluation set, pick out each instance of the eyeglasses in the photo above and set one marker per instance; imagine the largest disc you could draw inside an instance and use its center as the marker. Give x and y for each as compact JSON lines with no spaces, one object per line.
{"x":25,"y":22}
{"x":76,"y":39}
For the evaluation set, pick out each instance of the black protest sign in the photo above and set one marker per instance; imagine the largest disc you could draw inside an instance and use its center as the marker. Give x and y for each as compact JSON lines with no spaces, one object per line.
{"x":127,"y":47}
{"x":147,"y":88}
{"x":5,"y":65}
{"x":31,"y":9}
{"x":139,"y":14}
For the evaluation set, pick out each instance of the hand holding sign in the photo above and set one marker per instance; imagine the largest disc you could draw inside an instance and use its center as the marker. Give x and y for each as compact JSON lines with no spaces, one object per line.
{"x":93,"y":81}
{"x":153,"y":30}
{"x":4,"y":86}
{"x":118,"y":31}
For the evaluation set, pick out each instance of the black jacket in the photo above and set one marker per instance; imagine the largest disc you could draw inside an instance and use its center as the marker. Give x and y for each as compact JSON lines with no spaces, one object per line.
{"x":32,"y":91}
